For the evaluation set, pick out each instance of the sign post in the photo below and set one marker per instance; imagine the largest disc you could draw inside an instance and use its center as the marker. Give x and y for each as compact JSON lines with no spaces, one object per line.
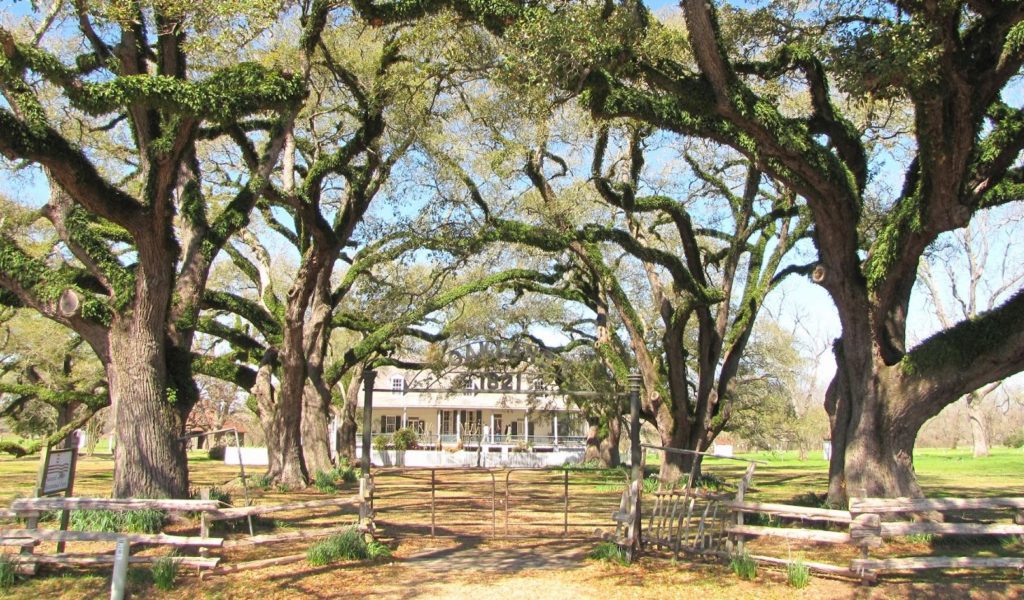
{"x":57,"y":474}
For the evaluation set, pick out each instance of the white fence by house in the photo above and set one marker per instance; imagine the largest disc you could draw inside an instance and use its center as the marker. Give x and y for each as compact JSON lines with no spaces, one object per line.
{"x":471,"y":458}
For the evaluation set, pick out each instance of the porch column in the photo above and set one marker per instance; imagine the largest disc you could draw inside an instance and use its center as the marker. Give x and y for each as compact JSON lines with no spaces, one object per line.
{"x":458,"y":425}
{"x":492,"y":428}
{"x":556,"y":429}
{"x":526,"y":428}
{"x":405,"y":417}
{"x":438,"y":429}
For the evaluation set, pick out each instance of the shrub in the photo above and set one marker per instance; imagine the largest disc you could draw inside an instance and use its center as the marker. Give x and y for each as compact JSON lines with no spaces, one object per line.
{"x":610,"y":552}
{"x":744,"y":567}
{"x":347,"y":546}
{"x":405,"y":439}
{"x":798,"y":574}
{"x":7,"y":572}
{"x":380,"y":443}
{"x":262,"y":482}
{"x":165,"y":571}
{"x":216,"y":452}
{"x":346,"y":473}
{"x":323,"y":481}
{"x":132,"y":521}
{"x":1015,"y":440}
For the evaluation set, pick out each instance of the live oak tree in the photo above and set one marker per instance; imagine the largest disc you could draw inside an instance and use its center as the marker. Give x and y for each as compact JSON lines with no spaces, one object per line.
{"x":950,"y":65}
{"x":969,"y":274}
{"x":674,"y":279}
{"x":118,"y":132}
{"x":50,"y":382}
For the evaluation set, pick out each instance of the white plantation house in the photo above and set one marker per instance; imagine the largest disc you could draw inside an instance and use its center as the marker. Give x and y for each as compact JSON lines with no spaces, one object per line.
{"x":492,"y":411}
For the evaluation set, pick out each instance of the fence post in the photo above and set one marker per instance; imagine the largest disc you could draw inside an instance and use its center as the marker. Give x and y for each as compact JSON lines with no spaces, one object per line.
{"x":369,"y":377}
{"x":120,"y":570}
{"x":636,"y":460}
{"x":565,"y":525}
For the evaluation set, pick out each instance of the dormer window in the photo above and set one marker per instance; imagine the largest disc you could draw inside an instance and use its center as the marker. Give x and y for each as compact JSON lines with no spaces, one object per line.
{"x":398,"y":385}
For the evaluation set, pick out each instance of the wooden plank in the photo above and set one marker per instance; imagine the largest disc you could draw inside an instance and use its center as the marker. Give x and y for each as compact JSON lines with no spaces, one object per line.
{"x":622,"y":517}
{"x":289,"y":536}
{"x":912,"y":528}
{"x":7,"y":514}
{"x":262,"y":509}
{"x":108,"y":559}
{"x":791,"y":511}
{"x":49,"y":535}
{"x":897,"y":505}
{"x":807,"y":535}
{"x":257,"y":564}
{"x":17,"y":541}
{"x":936,"y":562}
{"x":39,"y":504}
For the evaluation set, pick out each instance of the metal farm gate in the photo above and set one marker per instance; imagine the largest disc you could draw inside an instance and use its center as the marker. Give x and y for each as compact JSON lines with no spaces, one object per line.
{"x":511,"y":503}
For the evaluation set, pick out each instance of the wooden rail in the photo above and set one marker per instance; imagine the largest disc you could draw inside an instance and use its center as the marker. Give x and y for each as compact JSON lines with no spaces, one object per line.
{"x":910,"y":505}
{"x":869,"y":521}
{"x":807,"y":535}
{"x":108,"y":559}
{"x":39,"y":504}
{"x":791,"y":511}
{"x":263,"y":509}
{"x":868,"y":529}
{"x":47,"y":535}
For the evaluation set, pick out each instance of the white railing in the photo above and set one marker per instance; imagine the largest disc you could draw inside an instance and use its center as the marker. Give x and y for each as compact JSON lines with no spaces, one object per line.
{"x":534,"y":441}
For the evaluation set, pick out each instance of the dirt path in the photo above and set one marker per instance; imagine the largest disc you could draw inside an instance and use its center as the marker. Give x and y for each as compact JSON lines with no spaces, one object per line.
{"x":475,"y":555}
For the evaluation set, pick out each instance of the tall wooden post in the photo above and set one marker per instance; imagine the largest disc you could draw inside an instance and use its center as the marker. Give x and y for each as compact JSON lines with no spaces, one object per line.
{"x":635,"y":457}
{"x":369,"y":377}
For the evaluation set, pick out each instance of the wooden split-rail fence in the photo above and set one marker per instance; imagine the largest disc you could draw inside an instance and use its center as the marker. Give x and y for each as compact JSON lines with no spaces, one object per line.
{"x":28,"y":537}
{"x":31,"y":535}
{"x":866,"y":526}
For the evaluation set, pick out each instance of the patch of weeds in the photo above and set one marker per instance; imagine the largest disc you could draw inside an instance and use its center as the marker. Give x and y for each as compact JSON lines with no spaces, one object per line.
{"x":283,"y":488}
{"x":920,"y":538}
{"x":810,"y":499}
{"x":651,"y":484}
{"x":798,"y":574}
{"x":346,"y":473}
{"x":7,"y":573}
{"x":165,"y":571}
{"x":609,"y":552}
{"x":759,"y":519}
{"x":711,"y":481}
{"x":324,"y":483}
{"x":262,"y":482}
{"x":744,"y":567}
{"x":242,"y":525}
{"x":139,"y":577}
{"x":377,"y":551}
{"x":328,"y":482}
{"x":132,"y":521}
{"x":220,"y":495}
{"x":350,"y":545}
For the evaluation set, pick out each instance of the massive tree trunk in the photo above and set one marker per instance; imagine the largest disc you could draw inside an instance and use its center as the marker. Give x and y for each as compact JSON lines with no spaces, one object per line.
{"x":979,"y":433}
{"x":603,"y":448}
{"x":348,"y":432}
{"x":316,"y":425}
{"x":316,"y":400}
{"x":149,"y":459}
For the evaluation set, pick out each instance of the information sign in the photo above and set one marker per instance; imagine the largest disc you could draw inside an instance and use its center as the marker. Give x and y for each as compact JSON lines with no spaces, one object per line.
{"x":57,"y":471}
